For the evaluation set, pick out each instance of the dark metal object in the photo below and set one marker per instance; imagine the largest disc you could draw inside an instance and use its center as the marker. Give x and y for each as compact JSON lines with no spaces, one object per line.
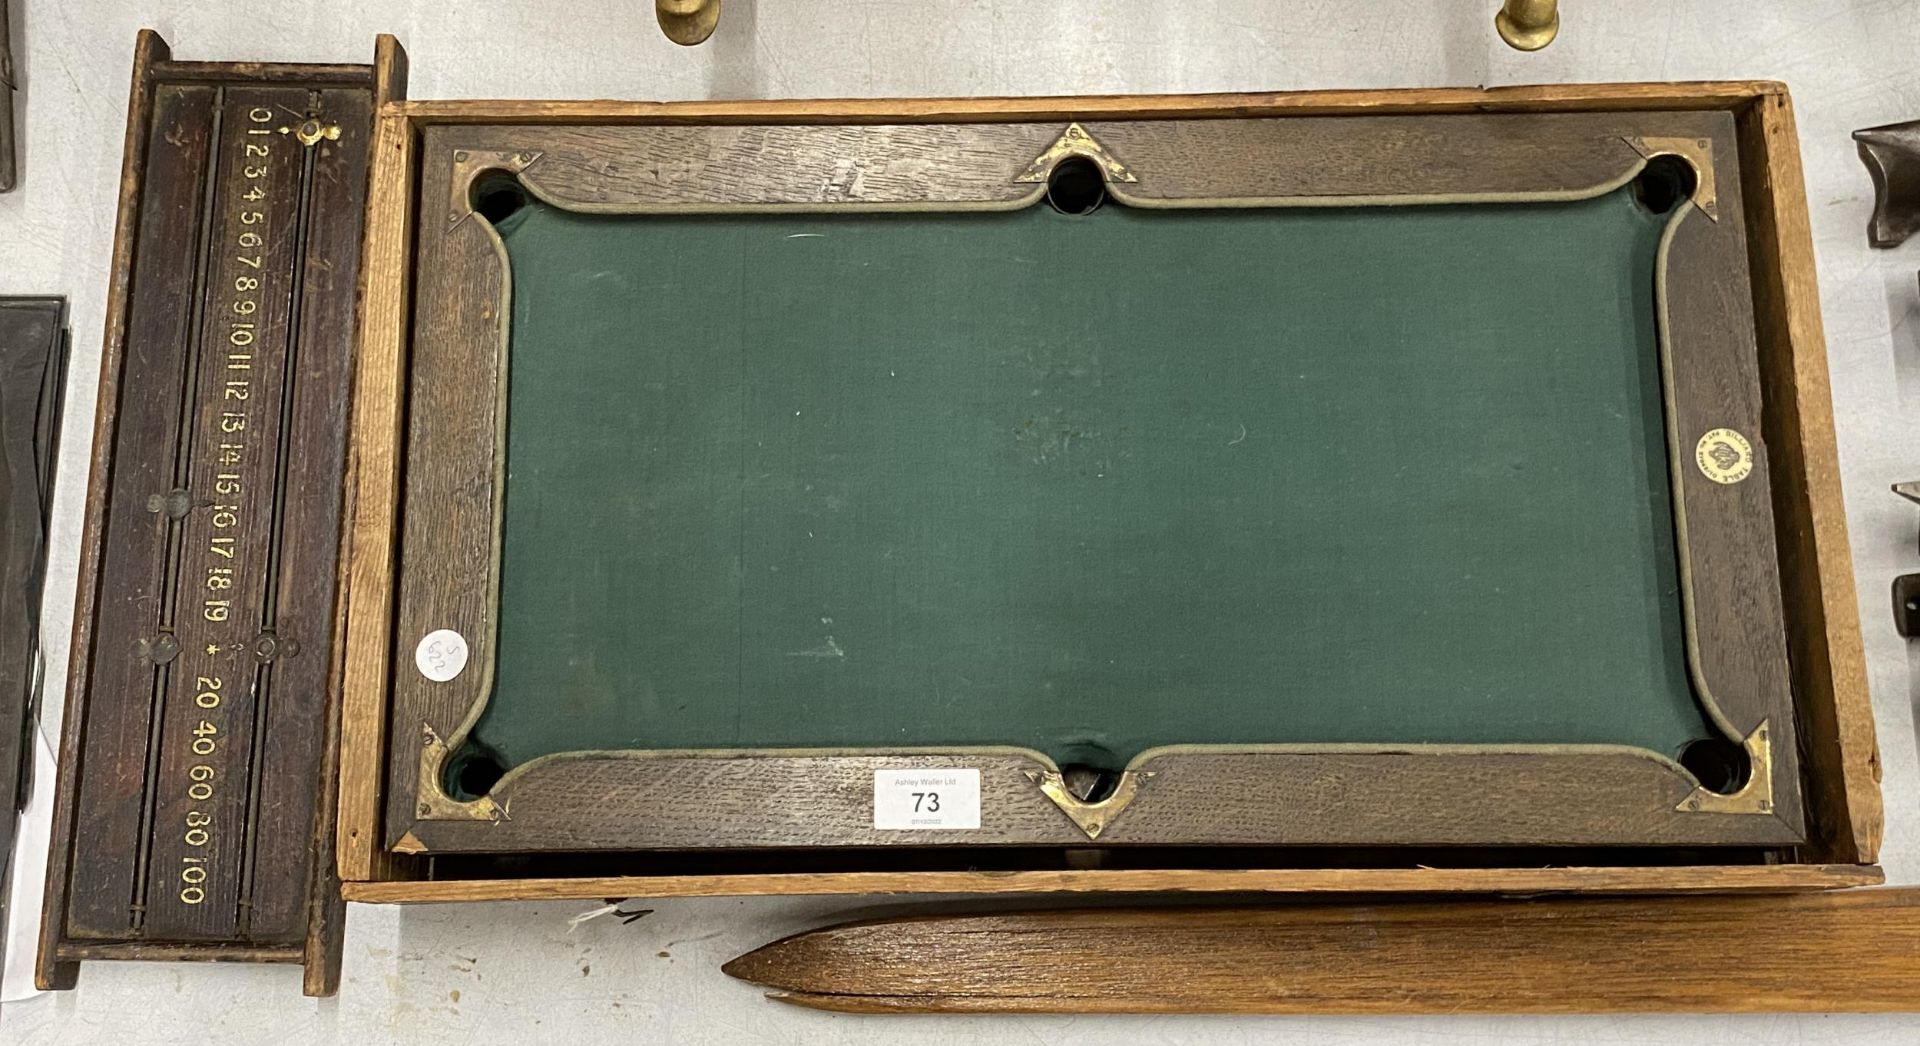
{"x":33,"y":355}
{"x":1906,"y":587}
{"x":9,"y":174}
{"x":1906,"y":605}
{"x":194,"y":813}
{"x":1892,"y":156}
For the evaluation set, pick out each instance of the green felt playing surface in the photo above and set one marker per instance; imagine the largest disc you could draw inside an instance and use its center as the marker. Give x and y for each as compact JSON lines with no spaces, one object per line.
{"x":1087,"y":485}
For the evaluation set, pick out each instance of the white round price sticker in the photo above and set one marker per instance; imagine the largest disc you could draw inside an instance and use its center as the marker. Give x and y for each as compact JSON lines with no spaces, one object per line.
{"x":441,"y":655}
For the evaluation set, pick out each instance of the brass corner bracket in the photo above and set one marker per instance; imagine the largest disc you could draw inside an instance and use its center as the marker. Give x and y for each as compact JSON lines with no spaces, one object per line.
{"x":1754,"y":797}
{"x":1698,"y":153}
{"x":1075,"y":141}
{"x":431,"y":801}
{"x":468,"y":165}
{"x":1092,"y":818}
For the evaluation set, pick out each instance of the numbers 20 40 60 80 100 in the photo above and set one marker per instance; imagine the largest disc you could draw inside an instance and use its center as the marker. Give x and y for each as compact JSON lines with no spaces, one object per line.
{"x":201,"y":780}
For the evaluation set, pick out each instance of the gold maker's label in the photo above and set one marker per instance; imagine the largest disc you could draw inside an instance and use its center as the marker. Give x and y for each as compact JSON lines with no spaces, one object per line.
{"x":1724,"y":456}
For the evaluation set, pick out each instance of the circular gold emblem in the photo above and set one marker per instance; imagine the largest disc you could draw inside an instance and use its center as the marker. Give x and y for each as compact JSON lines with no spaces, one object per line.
{"x":1724,"y":456}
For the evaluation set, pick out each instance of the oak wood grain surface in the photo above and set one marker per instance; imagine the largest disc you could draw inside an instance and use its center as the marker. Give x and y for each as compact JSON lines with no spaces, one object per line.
{"x":373,"y":490}
{"x":1303,"y":798}
{"x":1731,"y":587}
{"x":1594,"y":97}
{"x":1854,"y":951}
{"x":1823,"y":618}
{"x":326,"y":922}
{"x":1780,"y":878}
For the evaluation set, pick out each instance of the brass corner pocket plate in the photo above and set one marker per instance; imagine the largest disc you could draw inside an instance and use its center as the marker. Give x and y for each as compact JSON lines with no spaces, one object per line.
{"x":1075,"y":141}
{"x":1698,"y":153}
{"x":468,"y":164}
{"x":1092,"y":817}
{"x":433,"y":801}
{"x":1754,"y":797}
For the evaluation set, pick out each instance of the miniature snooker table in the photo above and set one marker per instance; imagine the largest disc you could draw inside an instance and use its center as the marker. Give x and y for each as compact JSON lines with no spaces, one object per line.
{"x":1377,"y":480}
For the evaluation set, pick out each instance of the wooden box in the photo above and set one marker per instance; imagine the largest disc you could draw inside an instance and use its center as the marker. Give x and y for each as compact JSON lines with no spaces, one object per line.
{"x":383,"y":860}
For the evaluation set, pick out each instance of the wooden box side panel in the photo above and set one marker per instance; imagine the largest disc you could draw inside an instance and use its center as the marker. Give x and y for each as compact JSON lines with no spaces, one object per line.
{"x":1603,"y":97}
{"x":373,"y":491}
{"x":1345,"y":881}
{"x":327,"y":922}
{"x":1829,"y":662}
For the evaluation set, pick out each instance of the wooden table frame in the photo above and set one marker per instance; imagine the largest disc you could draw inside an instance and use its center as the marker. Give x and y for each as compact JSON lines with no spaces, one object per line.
{"x":1790,"y":422}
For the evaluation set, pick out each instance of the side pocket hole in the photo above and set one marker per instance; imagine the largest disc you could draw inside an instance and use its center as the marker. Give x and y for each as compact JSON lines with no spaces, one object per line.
{"x":1717,"y":763}
{"x":1076,"y":186}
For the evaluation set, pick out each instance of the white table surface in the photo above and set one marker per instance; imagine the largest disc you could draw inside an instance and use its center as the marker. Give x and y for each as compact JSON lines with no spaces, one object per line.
{"x":503,"y":973}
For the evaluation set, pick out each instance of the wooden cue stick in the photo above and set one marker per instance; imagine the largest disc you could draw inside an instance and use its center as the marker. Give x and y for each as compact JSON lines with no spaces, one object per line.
{"x":1851,"y":951}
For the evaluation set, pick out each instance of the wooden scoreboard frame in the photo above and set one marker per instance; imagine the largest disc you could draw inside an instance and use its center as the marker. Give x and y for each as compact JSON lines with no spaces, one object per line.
{"x":1832,"y":720}
{"x":194,"y":813}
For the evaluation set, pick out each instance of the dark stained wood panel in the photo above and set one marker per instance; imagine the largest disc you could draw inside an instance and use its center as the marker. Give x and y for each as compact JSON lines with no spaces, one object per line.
{"x":9,"y":159}
{"x":301,"y":614}
{"x":220,"y":678}
{"x":194,"y":814}
{"x":33,"y":354}
{"x":130,"y":611}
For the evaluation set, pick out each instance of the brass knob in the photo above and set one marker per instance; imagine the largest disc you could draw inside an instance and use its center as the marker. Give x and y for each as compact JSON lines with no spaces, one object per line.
{"x":1528,"y":25}
{"x":687,"y":22}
